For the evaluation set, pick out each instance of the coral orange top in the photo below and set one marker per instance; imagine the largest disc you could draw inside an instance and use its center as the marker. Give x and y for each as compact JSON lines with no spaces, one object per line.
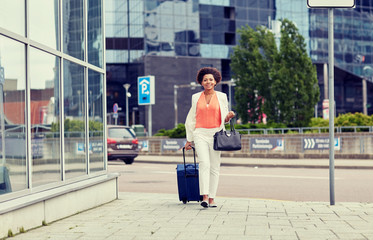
{"x":208,"y":115}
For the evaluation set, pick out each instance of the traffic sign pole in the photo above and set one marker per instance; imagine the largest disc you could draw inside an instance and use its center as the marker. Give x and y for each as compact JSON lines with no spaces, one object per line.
{"x":331,"y":102}
{"x":331,"y":4}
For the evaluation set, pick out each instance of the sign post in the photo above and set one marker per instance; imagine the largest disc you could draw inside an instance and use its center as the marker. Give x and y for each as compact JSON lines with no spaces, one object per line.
{"x":146,"y":96}
{"x":331,"y":4}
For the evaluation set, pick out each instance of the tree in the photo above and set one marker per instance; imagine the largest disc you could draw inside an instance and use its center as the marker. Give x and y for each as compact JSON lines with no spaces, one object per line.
{"x":294,"y":88}
{"x":280,"y":83}
{"x":251,"y":63}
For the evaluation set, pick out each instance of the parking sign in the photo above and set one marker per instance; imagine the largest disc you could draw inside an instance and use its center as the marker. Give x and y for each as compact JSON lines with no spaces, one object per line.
{"x":146,"y":91}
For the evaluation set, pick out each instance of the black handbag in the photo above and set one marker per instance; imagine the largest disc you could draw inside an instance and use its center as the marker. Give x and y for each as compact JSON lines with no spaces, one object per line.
{"x":227,"y":141}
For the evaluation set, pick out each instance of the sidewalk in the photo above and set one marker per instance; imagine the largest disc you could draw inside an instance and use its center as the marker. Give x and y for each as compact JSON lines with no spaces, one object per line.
{"x":161,"y":216}
{"x":266,"y":162}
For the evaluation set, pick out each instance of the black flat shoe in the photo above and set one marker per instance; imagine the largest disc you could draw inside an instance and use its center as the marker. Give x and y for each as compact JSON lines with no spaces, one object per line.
{"x":204,"y":204}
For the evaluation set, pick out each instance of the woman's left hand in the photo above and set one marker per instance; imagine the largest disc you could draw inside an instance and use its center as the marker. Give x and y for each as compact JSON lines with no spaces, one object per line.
{"x":229,"y":116}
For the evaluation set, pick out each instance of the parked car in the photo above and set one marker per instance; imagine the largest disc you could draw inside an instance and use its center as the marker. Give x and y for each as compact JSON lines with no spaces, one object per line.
{"x":122,"y":143}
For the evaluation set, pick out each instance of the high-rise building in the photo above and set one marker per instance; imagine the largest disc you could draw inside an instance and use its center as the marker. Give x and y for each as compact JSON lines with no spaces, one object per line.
{"x":172,"y":39}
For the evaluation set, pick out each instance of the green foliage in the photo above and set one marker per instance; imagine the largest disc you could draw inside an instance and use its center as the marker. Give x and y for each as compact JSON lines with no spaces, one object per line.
{"x":259,"y":126}
{"x":178,"y":132}
{"x":285,"y":79}
{"x":251,"y":63}
{"x":319,"y":122}
{"x":344,"y":120}
{"x":10,"y":233}
{"x":357,"y":119}
{"x":78,"y":126}
{"x":295,"y":90}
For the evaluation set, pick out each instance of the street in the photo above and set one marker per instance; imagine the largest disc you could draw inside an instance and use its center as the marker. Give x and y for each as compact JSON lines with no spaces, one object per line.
{"x":293,"y":184}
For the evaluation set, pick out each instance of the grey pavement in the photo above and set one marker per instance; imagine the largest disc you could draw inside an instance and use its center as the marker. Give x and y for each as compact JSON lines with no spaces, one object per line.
{"x":266,"y":162}
{"x":163,"y":216}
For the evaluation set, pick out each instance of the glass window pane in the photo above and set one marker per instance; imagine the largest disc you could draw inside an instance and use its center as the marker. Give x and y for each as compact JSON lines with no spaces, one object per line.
{"x":12,"y":115}
{"x":44,"y":24}
{"x":74,"y":123}
{"x":96,"y":126}
{"x":45,"y":130}
{"x":12,"y":16}
{"x":73,"y":28}
{"x":95,"y":51}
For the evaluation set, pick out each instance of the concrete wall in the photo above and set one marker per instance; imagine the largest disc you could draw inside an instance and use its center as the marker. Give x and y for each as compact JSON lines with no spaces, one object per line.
{"x":31,"y":211}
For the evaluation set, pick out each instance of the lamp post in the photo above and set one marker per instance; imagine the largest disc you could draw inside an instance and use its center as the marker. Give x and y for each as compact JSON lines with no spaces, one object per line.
{"x":127,"y":86}
{"x":230,"y":84}
{"x":192,"y":86}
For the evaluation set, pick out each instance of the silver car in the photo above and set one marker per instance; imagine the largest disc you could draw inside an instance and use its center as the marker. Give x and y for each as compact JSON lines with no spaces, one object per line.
{"x":122,"y":143}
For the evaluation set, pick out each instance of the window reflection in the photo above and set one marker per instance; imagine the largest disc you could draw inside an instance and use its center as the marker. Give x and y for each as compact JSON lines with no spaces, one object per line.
{"x":44,"y":25}
{"x":96,"y":116}
{"x":12,"y":16}
{"x":12,"y":116}
{"x":45,"y":131}
{"x":95,"y":51}
{"x":167,"y":34}
{"x":73,"y":32}
{"x":74,"y":119}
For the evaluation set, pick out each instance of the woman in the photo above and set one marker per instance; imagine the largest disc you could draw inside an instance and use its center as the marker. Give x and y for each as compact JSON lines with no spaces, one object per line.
{"x":207,"y":116}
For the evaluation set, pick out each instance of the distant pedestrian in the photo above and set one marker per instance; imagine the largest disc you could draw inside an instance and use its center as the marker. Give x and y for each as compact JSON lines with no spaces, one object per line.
{"x":208,"y":114}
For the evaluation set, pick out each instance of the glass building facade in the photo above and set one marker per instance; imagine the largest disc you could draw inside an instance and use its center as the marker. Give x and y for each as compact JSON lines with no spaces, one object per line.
{"x":141,"y":31}
{"x":52,"y":88}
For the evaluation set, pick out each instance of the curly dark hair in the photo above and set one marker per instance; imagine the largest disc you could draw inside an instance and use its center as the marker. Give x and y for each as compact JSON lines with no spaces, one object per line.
{"x":208,"y":70}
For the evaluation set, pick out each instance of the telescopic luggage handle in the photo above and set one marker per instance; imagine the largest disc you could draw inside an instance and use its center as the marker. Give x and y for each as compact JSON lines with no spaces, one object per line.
{"x":195,"y":163}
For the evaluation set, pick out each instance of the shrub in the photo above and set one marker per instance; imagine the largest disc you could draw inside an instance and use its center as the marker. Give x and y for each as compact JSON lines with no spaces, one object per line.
{"x":178,"y":132}
{"x":357,"y":119}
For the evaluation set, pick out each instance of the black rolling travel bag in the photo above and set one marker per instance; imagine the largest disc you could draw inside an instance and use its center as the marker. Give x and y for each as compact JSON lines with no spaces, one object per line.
{"x":187,"y":180}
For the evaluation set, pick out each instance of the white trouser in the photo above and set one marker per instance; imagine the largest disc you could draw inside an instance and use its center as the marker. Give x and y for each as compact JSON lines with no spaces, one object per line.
{"x":209,"y":161}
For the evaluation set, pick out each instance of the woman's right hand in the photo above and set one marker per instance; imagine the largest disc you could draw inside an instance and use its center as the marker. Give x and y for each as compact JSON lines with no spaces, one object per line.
{"x":188,"y":145}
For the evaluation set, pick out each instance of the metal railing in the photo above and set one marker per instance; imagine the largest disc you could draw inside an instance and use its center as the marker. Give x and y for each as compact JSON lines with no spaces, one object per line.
{"x":302,"y":130}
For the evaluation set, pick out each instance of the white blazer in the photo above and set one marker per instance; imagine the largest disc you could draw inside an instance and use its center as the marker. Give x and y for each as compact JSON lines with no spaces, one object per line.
{"x":190,"y":122}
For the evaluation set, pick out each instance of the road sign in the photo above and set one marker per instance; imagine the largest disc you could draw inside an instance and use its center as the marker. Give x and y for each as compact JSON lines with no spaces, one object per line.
{"x":146,"y":90}
{"x":320,"y":143}
{"x":115,"y":115}
{"x":273,"y":144}
{"x":331,"y":3}
{"x":115,"y":108}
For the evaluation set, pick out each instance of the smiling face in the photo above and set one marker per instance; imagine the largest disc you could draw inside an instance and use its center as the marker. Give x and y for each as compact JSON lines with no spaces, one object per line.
{"x":208,"y":82}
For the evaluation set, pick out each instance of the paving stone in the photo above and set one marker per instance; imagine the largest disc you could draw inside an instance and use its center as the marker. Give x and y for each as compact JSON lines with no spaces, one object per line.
{"x":160,"y":216}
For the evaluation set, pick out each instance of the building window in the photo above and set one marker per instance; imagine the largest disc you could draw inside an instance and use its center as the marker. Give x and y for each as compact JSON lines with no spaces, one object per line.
{"x":44,"y":25}
{"x":12,"y":16}
{"x":73,"y":32}
{"x":96,"y":121}
{"x":45,"y":115}
{"x":74,"y":119}
{"x":12,"y":121}
{"x":51,"y":94}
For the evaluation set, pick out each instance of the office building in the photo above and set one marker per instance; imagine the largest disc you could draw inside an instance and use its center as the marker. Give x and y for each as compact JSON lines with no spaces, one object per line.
{"x":52,"y":109}
{"x":172,"y":39}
